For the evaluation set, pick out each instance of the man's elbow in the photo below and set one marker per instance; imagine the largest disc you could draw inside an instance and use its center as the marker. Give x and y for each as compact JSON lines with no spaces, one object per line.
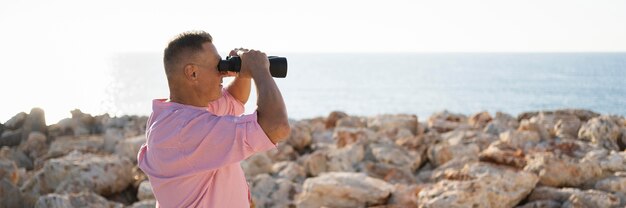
{"x":281,"y":132}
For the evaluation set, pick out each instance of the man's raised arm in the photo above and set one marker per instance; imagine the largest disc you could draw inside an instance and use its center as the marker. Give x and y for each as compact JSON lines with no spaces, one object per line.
{"x":271,"y":110}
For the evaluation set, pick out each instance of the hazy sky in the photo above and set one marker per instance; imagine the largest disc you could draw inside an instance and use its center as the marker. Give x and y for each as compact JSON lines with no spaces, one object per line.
{"x":55,"y":52}
{"x":320,"y":26}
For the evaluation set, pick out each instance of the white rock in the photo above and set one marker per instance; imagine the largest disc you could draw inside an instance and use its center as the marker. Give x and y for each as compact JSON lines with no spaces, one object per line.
{"x":346,"y":158}
{"x":256,"y":164}
{"x":300,"y":136}
{"x":145,"y":191}
{"x":602,"y":131}
{"x":315,"y":163}
{"x":558,"y":171}
{"x":35,"y":146}
{"x":501,"y":123}
{"x":441,"y":153}
{"x":78,"y":172}
{"x":480,"y":120}
{"x":83,"y":199}
{"x":479,"y":185}
{"x":572,"y":197}
{"x":144,"y":204}
{"x":520,"y":139}
{"x":129,"y":147}
{"x":446,"y":121}
{"x":341,"y":189}
{"x":66,"y":144}
{"x":111,"y":137}
{"x":394,"y":155}
{"x":346,"y":136}
{"x":289,"y":170}
{"x":390,"y":122}
{"x":270,"y":192}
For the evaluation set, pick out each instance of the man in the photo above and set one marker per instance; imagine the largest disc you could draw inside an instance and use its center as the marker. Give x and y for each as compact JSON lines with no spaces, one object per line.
{"x":196,"y":139}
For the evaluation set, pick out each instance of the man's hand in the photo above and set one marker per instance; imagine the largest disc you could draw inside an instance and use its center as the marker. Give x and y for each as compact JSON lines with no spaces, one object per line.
{"x":253,"y":63}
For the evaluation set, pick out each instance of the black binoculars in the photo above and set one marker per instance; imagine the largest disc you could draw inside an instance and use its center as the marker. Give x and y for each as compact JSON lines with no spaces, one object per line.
{"x":278,"y":65}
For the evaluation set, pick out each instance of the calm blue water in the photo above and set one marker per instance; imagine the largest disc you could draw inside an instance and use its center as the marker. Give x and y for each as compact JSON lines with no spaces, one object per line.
{"x":370,"y":84}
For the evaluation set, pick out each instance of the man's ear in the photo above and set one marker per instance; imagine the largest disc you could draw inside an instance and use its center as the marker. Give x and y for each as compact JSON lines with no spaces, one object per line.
{"x":191,"y":72}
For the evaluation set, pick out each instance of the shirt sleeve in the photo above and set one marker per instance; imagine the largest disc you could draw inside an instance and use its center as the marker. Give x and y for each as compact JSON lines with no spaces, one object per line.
{"x":212,"y":142}
{"x":226,"y":105}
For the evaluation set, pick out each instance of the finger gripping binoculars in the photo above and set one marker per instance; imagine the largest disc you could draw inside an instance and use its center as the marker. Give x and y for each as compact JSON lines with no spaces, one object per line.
{"x":278,"y":65}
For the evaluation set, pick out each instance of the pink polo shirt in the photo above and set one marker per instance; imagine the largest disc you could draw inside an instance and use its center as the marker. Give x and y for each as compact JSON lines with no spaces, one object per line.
{"x":192,"y":154}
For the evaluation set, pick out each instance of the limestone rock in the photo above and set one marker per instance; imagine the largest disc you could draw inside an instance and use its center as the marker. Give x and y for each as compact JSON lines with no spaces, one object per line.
{"x":501,"y":123}
{"x":389,"y":173}
{"x":582,"y":114}
{"x":111,"y":137}
{"x":144,"y":204}
{"x":504,"y":153}
{"x":520,"y":139}
{"x":35,"y":122}
{"x":352,"y":122}
{"x":602,"y":131}
{"x":533,"y":125}
{"x":479,"y":185}
{"x":11,"y":138}
{"x":442,"y":172}
{"x":145,"y":191}
{"x":571,"y":197}
{"x":446,"y":121}
{"x":131,"y":125}
{"x":35,"y":146}
{"x":346,"y":136}
{"x":16,"y":121}
{"x":78,"y":172}
{"x":63,"y":145}
{"x":558,"y":171}
{"x":480,"y":120}
{"x":387,"y":122}
{"x":331,"y":120}
{"x":282,"y":152}
{"x":441,"y":153}
{"x":541,"y":204}
{"x":392,"y":154}
{"x":346,"y":158}
{"x":130,"y":147}
{"x":270,"y":192}
{"x":614,"y":184}
{"x":21,"y":159}
{"x":315,"y":163}
{"x":300,"y":137}
{"x":613,"y":162}
{"x":9,"y":170}
{"x":467,"y":136}
{"x":256,"y":164}
{"x":547,"y":120}
{"x":341,"y":189}
{"x":289,"y":170}
{"x":405,"y":195}
{"x":567,"y":127}
{"x":321,"y":138}
{"x":83,"y":199}
{"x":10,"y":195}
{"x":81,"y":124}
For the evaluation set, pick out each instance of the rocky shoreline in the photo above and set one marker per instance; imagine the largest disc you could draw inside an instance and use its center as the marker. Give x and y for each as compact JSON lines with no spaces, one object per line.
{"x":560,"y":158}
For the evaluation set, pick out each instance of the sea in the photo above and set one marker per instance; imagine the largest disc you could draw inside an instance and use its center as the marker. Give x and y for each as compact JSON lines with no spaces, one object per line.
{"x":367,"y":84}
{"x":361,"y":84}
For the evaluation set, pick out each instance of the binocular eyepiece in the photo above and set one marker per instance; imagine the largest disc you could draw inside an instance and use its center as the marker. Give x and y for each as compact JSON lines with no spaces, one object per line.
{"x":278,"y":65}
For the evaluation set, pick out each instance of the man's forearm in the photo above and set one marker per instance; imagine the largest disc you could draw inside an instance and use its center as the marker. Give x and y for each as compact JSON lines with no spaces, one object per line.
{"x":271,"y":109}
{"x":240,"y":89}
